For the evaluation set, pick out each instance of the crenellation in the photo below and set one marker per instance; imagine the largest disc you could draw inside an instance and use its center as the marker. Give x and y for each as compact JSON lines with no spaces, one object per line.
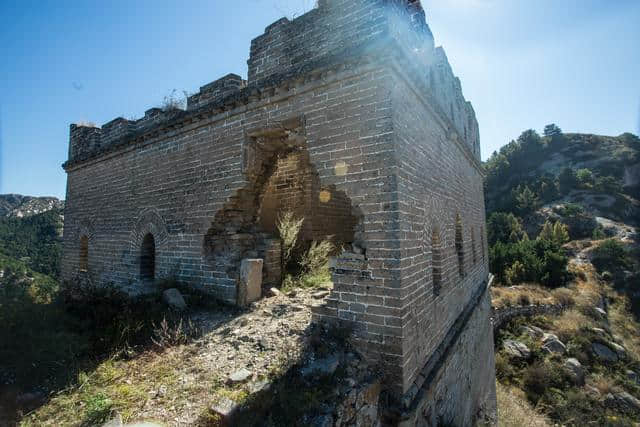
{"x":83,"y":140}
{"x":115,"y":131}
{"x":216,"y":91}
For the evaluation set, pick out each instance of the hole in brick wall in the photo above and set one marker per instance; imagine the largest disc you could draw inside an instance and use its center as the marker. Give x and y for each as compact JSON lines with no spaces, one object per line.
{"x":84,"y":254}
{"x":459,"y":245}
{"x":436,"y":261}
{"x":148,"y":258}
{"x":280,"y":178}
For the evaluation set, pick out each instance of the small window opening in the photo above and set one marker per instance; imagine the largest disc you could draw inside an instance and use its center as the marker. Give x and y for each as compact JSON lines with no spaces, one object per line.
{"x":84,"y":253}
{"x":148,"y":258}
{"x":459,"y":245}
{"x":436,"y":262}
{"x":473,"y":246}
{"x":482,"y":243}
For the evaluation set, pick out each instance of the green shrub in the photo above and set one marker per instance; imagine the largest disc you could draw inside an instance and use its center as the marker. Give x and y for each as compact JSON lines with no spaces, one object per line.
{"x":611,"y":255}
{"x":585,"y":178}
{"x":540,"y":377}
{"x":317,"y":256}
{"x":504,"y":227}
{"x":289,"y":228}
{"x":544,"y":261}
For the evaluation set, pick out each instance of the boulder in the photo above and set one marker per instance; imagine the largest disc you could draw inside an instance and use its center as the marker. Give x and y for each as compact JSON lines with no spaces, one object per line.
{"x":603,"y":352}
{"x":532,"y":331}
{"x":320,"y":294}
{"x":326,"y":366}
{"x":226,"y":409}
{"x":173,"y":298}
{"x":601,"y":313}
{"x":620,"y":350}
{"x":250,"y":281}
{"x":575,"y":370}
{"x":546,"y":337}
{"x":601,"y":332}
{"x":115,"y":421}
{"x":633,"y":376}
{"x":623,"y":402}
{"x":554,"y":345}
{"x":516,"y":349}
{"x":239,"y":376}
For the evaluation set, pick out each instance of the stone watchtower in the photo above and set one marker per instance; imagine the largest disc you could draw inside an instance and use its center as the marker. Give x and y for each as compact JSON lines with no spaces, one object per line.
{"x":353,"y":119}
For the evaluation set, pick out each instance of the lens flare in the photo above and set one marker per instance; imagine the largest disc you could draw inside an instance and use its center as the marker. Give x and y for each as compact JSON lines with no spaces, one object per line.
{"x":324,"y":196}
{"x":341,"y":168}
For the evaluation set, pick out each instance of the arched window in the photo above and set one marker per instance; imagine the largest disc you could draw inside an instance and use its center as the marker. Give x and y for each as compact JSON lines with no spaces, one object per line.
{"x":148,"y":258}
{"x":459,"y":245}
{"x":83,"y":262}
{"x":473,"y":246}
{"x":436,"y":261}
{"x":482,"y":242}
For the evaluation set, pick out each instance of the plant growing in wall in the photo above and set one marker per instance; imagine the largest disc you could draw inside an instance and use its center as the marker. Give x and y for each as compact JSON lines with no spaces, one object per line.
{"x":289,"y":228}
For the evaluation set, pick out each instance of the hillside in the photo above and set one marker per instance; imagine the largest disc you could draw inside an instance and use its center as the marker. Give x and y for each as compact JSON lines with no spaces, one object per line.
{"x":562,"y":212}
{"x":16,"y":205}
{"x":600,"y":172}
{"x":31,"y":232}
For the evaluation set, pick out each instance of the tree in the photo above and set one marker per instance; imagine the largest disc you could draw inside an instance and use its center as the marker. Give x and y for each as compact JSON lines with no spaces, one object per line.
{"x":547,"y":232}
{"x":560,"y":233}
{"x":608,"y":184}
{"x":585,"y":178}
{"x":567,"y":180}
{"x":552,"y":130}
{"x":504,"y":227}
{"x":526,"y":200}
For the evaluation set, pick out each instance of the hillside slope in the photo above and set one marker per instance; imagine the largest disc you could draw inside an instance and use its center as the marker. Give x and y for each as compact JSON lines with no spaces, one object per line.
{"x":562,"y":215}
{"x":31,"y":232}
{"x":16,"y":205}
{"x":600,"y":172}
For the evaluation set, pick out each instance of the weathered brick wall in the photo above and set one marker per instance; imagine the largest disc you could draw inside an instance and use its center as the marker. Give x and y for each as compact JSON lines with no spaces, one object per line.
{"x":385,"y":150}
{"x":334,"y":26}
{"x":439,"y":181}
{"x":182,"y":177}
{"x":460,"y":389}
{"x":294,"y":186}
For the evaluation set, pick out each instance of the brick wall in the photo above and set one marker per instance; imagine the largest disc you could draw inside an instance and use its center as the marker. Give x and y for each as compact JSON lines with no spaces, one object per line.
{"x":372,"y":143}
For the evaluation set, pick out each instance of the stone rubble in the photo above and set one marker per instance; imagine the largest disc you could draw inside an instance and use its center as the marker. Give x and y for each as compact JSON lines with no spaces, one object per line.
{"x":516,"y":349}
{"x":174,"y":299}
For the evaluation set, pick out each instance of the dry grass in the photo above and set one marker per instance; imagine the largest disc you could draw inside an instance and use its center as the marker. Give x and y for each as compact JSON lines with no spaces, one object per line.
{"x":520,"y":295}
{"x":564,"y":296}
{"x":86,"y":124}
{"x":604,"y":384}
{"x":569,"y":324}
{"x":588,"y":290}
{"x":515,"y":411}
{"x":624,"y":324}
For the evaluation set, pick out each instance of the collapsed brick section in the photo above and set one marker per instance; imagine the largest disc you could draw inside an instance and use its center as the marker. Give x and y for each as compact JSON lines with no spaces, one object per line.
{"x":351,"y":114}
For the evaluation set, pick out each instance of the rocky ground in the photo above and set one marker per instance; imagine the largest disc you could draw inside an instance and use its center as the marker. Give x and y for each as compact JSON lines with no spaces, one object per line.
{"x":240,"y":359}
{"x":584,"y":360}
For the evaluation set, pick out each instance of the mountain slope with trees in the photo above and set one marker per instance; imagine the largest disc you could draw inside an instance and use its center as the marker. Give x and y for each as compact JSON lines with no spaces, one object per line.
{"x":562,"y":212}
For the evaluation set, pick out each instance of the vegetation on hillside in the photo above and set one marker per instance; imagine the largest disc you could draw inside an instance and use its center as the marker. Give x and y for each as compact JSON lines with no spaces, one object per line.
{"x":34,"y":240}
{"x":533,"y":170}
{"x":546,"y":246}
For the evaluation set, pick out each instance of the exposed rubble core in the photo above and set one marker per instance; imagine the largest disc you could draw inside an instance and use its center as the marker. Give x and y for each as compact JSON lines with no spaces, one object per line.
{"x":351,"y":117}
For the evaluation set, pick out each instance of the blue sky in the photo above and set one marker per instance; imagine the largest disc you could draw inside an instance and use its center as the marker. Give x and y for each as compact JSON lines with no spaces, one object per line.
{"x":523,"y":64}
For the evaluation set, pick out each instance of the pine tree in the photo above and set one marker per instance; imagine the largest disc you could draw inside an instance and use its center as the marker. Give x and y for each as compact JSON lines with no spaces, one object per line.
{"x":560,"y":233}
{"x":547,"y":232}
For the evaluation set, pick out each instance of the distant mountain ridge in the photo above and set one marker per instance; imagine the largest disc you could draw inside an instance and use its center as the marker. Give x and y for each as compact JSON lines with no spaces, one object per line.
{"x":19,"y":206}
{"x":601,"y":173}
